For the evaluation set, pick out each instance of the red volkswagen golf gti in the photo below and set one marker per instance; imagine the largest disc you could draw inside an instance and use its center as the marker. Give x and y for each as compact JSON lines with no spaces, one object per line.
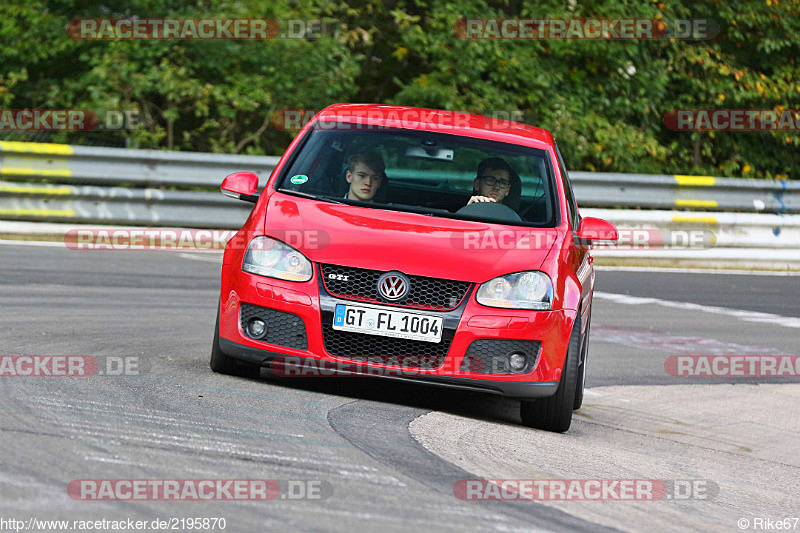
{"x":433,"y":246}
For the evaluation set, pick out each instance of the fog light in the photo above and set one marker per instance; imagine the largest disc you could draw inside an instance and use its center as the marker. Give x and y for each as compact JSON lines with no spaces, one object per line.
{"x":257,"y":328}
{"x":517,"y":361}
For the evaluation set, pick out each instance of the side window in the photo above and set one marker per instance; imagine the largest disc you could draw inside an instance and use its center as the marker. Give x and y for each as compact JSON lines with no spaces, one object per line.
{"x":572,"y":206}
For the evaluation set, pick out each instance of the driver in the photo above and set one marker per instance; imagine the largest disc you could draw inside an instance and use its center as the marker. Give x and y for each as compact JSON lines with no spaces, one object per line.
{"x":365,"y":174}
{"x":493,"y":181}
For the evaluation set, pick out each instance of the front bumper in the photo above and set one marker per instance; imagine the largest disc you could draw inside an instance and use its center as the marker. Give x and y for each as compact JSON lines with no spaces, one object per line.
{"x":513,"y":389}
{"x":310,"y":303}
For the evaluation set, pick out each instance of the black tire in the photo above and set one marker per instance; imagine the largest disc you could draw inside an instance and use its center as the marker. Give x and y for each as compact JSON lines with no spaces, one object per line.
{"x":582,"y":366}
{"x":225,"y":364}
{"x":555,"y":412}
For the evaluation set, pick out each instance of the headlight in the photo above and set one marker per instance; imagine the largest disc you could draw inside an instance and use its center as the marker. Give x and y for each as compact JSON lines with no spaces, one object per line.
{"x":523,"y":290}
{"x":266,"y":256}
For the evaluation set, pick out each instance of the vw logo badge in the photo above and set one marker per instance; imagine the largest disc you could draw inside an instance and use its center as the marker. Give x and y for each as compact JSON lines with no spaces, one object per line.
{"x":393,"y":286}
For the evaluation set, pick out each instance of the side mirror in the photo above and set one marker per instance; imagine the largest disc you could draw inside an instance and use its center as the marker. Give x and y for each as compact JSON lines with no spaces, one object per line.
{"x":596,"y":229}
{"x":242,"y":186}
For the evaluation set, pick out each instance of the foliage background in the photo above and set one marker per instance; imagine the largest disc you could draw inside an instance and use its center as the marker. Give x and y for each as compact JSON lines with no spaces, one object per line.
{"x":603,"y":100}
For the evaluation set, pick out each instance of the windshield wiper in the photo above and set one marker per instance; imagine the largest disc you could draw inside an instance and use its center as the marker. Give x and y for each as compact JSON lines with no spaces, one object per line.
{"x":430,"y":211}
{"x":330,"y":199}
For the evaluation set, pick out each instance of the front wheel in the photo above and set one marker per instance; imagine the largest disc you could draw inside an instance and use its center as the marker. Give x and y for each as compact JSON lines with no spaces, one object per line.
{"x":582,"y":366}
{"x":224,"y":364}
{"x":555,"y":412}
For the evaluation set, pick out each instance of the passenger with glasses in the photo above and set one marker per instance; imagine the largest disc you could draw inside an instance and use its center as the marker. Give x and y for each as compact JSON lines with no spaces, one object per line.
{"x":494,"y":181}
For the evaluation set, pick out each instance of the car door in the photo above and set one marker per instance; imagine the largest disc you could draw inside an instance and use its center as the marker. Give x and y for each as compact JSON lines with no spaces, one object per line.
{"x":579,"y":259}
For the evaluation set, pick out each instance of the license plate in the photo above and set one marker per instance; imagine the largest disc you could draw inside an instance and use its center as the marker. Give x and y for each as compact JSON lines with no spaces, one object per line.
{"x":385,"y":323}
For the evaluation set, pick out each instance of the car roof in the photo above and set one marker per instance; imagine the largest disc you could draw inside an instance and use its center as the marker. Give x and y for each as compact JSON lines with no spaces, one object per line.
{"x":452,"y":122}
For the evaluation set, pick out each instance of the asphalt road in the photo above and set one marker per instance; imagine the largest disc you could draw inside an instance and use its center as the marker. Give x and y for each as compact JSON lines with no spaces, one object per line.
{"x":178,"y":420}
{"x":762,"y":293}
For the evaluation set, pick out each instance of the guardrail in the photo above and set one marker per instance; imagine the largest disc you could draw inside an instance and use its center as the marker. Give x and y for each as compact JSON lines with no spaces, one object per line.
{"x":599,"y":189}
{"x":118,"y":166}
{"x":119,"y":205}
{"x":739,"y":240}
{"x":89,"y":191}
{"x":725,"y":230}
{"x":121,"y":186}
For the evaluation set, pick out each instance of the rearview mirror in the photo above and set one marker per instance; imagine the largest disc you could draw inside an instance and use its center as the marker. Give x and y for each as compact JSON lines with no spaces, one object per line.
{"x":430,"y":152}
{"x":596,"y":229}
{"x":242,"y":186}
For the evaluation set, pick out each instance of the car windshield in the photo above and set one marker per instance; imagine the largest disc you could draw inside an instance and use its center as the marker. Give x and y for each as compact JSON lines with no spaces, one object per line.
{"x":430,"y":173}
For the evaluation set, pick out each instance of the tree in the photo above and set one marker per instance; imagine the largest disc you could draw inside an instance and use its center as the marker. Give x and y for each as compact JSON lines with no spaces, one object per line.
{"x":604,"y":100}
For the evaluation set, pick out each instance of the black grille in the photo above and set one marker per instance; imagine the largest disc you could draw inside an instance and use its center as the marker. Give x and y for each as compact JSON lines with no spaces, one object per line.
{"x":385,"y":350}
{"x":488,"y":356}
{"x":283,"y":329}
{"x":425,"y":293}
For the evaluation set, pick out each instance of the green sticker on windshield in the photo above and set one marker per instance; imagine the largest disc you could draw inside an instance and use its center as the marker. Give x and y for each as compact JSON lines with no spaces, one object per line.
{"x":299,"y":179}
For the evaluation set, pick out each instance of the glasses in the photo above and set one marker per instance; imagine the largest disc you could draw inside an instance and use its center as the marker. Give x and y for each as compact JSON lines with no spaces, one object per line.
{"x":491,"y":181}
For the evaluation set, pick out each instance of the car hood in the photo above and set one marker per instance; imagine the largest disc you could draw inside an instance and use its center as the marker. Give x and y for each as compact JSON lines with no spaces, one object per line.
{"x":414,"y":244}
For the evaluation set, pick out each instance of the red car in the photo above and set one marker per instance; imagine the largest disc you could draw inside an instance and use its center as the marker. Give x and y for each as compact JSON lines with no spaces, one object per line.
{"x":433,"y":246}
